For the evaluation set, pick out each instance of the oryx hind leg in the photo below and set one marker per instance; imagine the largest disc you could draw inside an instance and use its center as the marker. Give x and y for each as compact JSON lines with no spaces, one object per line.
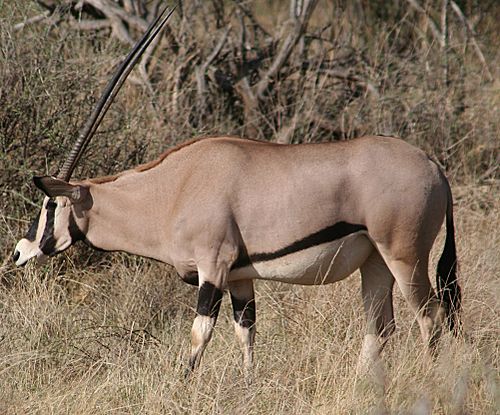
{"x":377,"y":283}
{"x":412,"y":276}
{"x":243,"y":301}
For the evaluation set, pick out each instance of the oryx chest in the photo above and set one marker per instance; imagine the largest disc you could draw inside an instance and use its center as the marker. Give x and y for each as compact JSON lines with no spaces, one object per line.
{"x":321,"y":264}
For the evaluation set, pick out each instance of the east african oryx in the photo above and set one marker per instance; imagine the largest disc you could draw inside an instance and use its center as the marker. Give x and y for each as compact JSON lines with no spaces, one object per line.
{"x":225,"y":211}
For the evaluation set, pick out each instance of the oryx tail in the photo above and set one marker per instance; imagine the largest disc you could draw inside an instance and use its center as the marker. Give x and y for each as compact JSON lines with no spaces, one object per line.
{"x":446,"y":277}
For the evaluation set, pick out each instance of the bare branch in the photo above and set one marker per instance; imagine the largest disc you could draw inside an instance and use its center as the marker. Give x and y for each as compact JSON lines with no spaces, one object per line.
{"x":251,"y":17}
{"x":243,"y":37}
{"x":285,"y":134}
{"x":217,"y":48}
{"x":120,"y":31}
{"x":444,"y":40}
{"x":48,"y":4}
{"x":90,"y":24}
{"x":287,"y":47}
{"x":472,"y":36}
{"x":296,"y":8}
{"x":432,"y":24}
{"x":346,"y":76}
{"x":115,"y":12}
{"x":250,"y":107}
{"x":178,"y":78}
{"x":32,"y":20}
{"x":202,"y":69}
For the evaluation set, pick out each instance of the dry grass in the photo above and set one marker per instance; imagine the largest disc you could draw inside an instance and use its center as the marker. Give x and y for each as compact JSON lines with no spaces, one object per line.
{"x":93,"y":333}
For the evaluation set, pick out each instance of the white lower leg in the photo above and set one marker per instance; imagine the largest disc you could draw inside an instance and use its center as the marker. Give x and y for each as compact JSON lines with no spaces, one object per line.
{"x":369,"y":362}
{"x":431,"y":319}
{"x":201,"y":333}
{"x":246,"y":338}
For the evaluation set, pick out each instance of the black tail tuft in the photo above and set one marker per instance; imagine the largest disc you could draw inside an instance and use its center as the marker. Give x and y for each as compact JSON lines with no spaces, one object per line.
{"x":447,"y":284}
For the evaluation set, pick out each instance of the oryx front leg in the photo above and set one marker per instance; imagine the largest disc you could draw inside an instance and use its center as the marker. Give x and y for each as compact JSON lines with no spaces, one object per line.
{"x":207,"y":310}
{"x":243,"y":301}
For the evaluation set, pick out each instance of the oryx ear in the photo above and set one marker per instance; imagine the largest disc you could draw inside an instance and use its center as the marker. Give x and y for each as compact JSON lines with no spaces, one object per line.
{"x":53,"y":187}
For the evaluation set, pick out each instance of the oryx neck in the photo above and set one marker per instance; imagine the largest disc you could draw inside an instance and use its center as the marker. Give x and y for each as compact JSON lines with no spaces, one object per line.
{"x":122,"y":218}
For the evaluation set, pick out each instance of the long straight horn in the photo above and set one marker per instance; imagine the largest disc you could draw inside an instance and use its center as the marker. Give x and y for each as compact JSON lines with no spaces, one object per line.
{"x":110,"y":92}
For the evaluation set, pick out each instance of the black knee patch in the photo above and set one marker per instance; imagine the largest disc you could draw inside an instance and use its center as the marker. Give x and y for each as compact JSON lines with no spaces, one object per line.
{"x":209,"y":299}
{"x":243,"y":311}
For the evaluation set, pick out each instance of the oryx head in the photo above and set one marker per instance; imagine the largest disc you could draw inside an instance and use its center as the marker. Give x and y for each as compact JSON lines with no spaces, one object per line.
{"x":55,"y":228}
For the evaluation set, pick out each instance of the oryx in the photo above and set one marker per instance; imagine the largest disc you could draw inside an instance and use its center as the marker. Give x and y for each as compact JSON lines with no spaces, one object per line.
{"x":225,"y":211}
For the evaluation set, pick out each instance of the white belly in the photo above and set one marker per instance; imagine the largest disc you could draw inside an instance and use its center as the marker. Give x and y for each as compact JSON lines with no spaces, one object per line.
{"x":322,"y":264}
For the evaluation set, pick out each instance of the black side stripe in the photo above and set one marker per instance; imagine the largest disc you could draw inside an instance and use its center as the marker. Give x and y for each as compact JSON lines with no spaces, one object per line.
{"x":329,"y":234}
{"x":48,"y":242}
{"x":31,"y":234}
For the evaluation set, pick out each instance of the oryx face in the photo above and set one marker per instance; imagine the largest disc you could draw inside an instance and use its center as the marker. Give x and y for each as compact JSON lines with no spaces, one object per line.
{"x":55,"y":228}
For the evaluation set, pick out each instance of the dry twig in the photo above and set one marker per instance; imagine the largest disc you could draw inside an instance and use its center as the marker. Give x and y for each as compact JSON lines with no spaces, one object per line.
{"x":35,"y":19}
{"x":472,"y":37}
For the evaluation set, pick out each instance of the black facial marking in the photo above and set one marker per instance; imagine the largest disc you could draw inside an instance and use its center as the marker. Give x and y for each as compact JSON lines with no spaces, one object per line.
{"x":48,"y":242}
{"x":243,"y":311}
{"x":31,"y":234}
{"x":191,"y":278}
{"x":209,"y":299}
{"x":16,"y":256}
{"x":329,"y":234}
{"x":74,"y":231}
